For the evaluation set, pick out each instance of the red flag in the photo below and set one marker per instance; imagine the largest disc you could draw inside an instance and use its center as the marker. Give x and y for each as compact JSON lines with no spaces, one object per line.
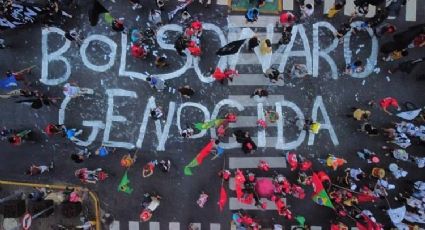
{"x":223,"y":198}
{"x":323,"y":176}
{"x":361,"y":226}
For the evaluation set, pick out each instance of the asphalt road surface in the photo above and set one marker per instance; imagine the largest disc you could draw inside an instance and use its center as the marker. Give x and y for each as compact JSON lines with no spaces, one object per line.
{"x":117,"y":113}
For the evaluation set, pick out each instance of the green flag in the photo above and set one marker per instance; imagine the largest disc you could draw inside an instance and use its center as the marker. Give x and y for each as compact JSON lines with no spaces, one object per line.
{"x":124,"y":185}
{"x":300,"y":220}
{"x":208,"y":124}
{"x":108,"y":18}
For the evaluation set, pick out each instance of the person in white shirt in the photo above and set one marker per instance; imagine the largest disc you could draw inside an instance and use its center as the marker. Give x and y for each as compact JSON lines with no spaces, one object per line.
{"x":306,"y":11}
{"x":75,"y":91}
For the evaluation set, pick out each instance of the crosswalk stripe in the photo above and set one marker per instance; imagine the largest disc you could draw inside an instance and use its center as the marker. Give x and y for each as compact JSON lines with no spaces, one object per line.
{"x":240,"y":21}
{"x":411,"y":10}
{"x":115,"y":225}
{"x":153,"y":225}
{"x":316,"y":228}
{"x":174,"y":226}
{"x":270,"y":141}
{"x":222,"y":2}
{"x":234,"y":204}
{"x":288,"y":4}
{"x":252,"y":162}
{"x":327,"y":5}
{"x":133,"y":225}
{"x":247,"y":121}
{"x":196,"y":226}
{"x":214,"y":226}
{"x":253,"y":79}
{"x":246,"y":100}
{"x":252,"y":59}
{"x":237,"y":21}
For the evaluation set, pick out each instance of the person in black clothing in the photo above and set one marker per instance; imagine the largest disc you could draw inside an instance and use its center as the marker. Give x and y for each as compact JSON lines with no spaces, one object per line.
{"x":407,"y":66}
{"x":186,"y":91}
{"x":240,"y":135}
{"x":342,"y":31}
{"x":380,"y":16}
{"x":253,"y":42}
{"x":248,"y":146}
{"x":118,"y":25}
{"x":80,"y":156}
{"x":181,"y":44}
{"x":272,"y":74}
{"x":286,"y":35}
{"x":260,"y":93}
{"x":369,"y":129}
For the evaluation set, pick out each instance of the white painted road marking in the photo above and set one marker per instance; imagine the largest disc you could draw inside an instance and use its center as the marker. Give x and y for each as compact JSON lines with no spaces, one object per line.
{"x":240,"y":21}
{"x":246,"y":100}
{"x":411,"y":6}
{"x":153,"y":225}
{"x":115,"y":225}
{"x":174,"y":226}
{"x":247,"y":121}
{"x":270,"y":141}
{"x":234,"y":204}
{"x":133,"y":225}
{"x":252,"y":162}
{"x":214,"y":226}
{"x":222,"y":2}
{"x":253,"y":79}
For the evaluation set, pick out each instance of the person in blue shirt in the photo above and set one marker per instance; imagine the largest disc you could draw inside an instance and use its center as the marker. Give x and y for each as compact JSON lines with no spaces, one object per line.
{"x":252,"y":14}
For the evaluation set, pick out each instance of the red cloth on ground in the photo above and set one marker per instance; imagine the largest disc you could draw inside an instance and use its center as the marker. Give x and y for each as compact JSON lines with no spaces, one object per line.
{"x":387,"y":102}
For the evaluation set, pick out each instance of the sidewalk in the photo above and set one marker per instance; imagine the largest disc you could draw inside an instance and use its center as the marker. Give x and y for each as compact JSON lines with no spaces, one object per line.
{"x":14,"y":189}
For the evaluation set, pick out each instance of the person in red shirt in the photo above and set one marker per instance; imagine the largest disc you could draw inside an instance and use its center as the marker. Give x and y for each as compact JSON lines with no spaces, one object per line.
{"x":387,"y":102}
{"x":219,"y":75}
{"x":194,"y":49}
{"x":287,"y":19}
{"x":197,"y":27}
{"x":137,"y":51}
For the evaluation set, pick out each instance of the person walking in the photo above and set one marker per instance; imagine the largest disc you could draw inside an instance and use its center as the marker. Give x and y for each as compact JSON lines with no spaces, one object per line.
{"x":40,"y":169}
{"x":157,"y":113}
{"x":72,"y":90}
{"x":388,"y":102}
{"x":355,"y":67}
{"x":359,"y":114}
{"x":306,"y":11}
{"x":74,"y":36}
{"x":186,"y":91}
{"x":81,"y":155}
{"x":337,"y":7}
{"x":156,"y":83}
{"x":251,"y":15}
{"x":265,"y":47}
{"x":407,"y":66}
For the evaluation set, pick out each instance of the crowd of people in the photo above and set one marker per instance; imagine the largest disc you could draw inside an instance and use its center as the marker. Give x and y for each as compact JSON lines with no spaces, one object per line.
{"x":347,"y":188}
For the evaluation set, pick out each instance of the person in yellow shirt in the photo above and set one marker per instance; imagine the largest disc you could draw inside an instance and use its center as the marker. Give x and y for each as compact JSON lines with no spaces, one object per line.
{"x":335,"y":8}
{"x":314,"y":127}
{"x":360,"y":114}
{"x":265,"y":46}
